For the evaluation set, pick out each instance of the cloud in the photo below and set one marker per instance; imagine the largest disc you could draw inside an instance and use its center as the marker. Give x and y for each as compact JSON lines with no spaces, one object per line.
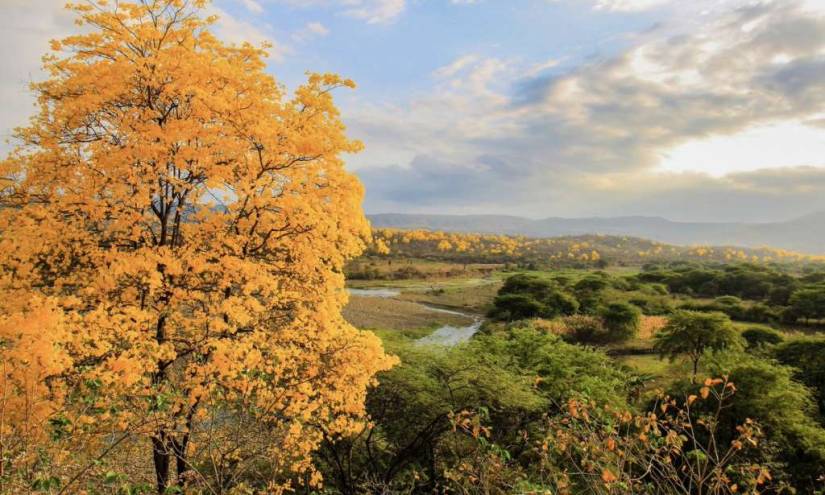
{"x":253,"y":6}
{"x":496,"y":135}
{"x":235,"y":30}
{"x":374,"y":11}
{"x":26,"y":27}
{"x":629,"y":5}
{"x":370,"y":11}
{"x":310,"y":31}
{"x":616,"y":5}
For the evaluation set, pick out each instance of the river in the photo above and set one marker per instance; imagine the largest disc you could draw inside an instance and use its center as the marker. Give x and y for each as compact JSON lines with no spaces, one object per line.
{"x":446,"y":335}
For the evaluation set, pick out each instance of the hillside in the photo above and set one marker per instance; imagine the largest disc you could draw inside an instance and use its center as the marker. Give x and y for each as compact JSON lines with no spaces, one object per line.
{"x":804,"y":234}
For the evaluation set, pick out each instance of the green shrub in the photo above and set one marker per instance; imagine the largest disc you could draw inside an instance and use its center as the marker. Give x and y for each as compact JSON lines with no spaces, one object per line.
{"x":510,"y":307}
{"x":584,"y":329}
{"x":621,"y":321}
{"x":652,"y":305}
{"x":767,"y":393}
{"x":807,"y":355}
{"x":760,"y":336}
{"x":526,"y":296}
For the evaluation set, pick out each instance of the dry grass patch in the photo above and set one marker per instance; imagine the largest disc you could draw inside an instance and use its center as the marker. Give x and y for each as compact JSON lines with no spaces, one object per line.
{"x":379,"y":313}
{"x":649,"y":326}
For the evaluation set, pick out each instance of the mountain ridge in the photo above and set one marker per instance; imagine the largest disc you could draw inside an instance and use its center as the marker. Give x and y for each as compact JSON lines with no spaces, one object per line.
{"x":805,"y":234}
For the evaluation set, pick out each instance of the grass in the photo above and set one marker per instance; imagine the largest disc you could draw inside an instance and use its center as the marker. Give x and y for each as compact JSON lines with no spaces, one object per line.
{"x":373,"y":313}
{"x":470,"y":296}
{"x":648,"y":364}
{"x":661,"y":371}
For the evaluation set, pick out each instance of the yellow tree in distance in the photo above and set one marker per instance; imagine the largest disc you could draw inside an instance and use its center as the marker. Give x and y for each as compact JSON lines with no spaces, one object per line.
{"x":173,"y":229}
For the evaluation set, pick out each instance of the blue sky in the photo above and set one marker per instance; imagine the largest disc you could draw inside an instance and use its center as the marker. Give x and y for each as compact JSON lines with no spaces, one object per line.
{"x":395,"y":57}
{"x":709,"y":110}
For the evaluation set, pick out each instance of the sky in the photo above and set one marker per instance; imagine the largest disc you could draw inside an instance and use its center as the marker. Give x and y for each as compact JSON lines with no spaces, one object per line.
{"x":693,"y":110}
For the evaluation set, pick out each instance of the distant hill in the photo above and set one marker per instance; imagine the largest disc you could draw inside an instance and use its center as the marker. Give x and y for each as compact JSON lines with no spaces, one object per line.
{"x":804,"y":234}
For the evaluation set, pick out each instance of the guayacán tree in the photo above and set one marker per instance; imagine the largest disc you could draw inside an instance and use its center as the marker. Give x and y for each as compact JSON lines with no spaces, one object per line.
{"x":173,"y":230}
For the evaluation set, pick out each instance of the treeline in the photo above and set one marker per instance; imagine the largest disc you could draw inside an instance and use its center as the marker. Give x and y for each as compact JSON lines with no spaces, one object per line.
{"x":747,"y":291}
{"x":582,"y":251}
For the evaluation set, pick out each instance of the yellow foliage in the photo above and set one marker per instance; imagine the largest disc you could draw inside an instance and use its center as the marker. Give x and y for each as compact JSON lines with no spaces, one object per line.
{"x":174,"y":230}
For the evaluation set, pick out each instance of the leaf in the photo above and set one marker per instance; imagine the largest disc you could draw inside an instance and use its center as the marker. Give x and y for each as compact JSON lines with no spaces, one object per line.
{"x":608,"y":476}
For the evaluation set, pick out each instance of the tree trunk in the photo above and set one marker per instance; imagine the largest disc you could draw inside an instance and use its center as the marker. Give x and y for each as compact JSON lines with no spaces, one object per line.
{"x":161,"y":457}
{"x":695,"y":370}
{"x":181,"y":462}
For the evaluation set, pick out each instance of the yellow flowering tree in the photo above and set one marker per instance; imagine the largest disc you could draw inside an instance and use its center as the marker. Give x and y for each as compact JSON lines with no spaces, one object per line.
{"x":173,"y":230}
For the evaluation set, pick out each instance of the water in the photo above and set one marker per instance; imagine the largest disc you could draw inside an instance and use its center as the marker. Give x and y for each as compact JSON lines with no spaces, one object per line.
{"x":449,"y":335}
{"x":382,"y":293}
{"x":446,"y":335}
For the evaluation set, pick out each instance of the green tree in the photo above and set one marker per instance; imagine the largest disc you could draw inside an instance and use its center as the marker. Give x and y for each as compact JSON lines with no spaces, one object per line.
{"x":768,"y":393}
{"x":559,"y":303}
{"x":512,"y":378}
{"x":511,"y":307}
{"x":527,"y":296}
{"x":808,"y":303}
{"x":807,"y":355}
{"x":692,"y":333}
{"x":759,"y":336}
{"x":621,"y":321}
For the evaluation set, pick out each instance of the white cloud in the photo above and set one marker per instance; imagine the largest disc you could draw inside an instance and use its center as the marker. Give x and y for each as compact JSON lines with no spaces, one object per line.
{"x":455,"y":66}
{"x":374,"y":11}
{"x":311,"y":31}
{"x":370,"y":11}
{"x":499,"y":135}
{"x":791,"y":144}
{"x":235,"y":30}
{"x":540,"y":67}
{"x":629,"y":5}
{"x":26,"y":26}
{"x":253,"y":6}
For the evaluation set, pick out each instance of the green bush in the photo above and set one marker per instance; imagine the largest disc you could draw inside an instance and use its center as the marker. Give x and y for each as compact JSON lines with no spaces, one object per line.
{"x":621,"y":321}
{"x":807,"y":355}
{"x":584,"y":329}
{"x":767,"y":393}
{"x":652,"y":305}
{"x":760,"y":336}
{"x":512,"y":379}
{"x":526,"y":296}
{"x":510,"y":307}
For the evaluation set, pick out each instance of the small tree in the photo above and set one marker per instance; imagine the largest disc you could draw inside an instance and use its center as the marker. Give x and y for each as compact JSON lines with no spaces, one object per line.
{"x":527,"y":296}
{"x":510,"y":307}
{"x":759,"y":336}
{"x":808,"y":303}
{"x":692,"y":333}
{"x":622,"y":321}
